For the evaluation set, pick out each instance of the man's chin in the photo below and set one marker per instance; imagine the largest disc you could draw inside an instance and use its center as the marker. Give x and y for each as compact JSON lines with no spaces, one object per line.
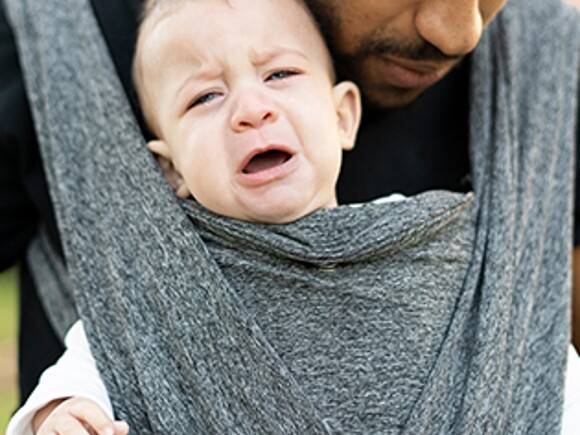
{"x":389,"y":97}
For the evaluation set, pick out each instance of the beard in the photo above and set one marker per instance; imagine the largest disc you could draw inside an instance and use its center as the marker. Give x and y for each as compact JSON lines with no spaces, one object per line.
{"x":361,"y":62}
{"x":363,"y":66}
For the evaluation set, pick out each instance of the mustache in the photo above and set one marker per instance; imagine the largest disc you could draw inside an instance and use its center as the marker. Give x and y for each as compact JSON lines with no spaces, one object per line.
{"x":422,"y":51}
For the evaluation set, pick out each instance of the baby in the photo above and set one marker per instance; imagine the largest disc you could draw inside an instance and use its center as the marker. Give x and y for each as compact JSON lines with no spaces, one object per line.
{"x":241,"y":95}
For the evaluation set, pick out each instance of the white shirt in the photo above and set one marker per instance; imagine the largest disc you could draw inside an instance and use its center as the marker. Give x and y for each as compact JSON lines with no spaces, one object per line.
{"x":76,"y":374}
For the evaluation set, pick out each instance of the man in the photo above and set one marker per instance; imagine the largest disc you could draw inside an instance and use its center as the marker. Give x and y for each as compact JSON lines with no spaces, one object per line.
{"x":402,"y":53}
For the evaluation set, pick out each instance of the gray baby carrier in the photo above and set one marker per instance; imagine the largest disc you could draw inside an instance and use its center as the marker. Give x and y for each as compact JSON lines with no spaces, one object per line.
{"x":440,"y":314}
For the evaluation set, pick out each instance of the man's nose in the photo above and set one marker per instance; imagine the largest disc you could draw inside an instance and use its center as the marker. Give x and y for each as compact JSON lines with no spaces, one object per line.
{"x":453,"y":26}
{"x":252,"y":109}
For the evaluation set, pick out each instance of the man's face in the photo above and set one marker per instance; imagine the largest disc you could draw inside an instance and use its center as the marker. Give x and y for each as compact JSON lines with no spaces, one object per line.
{"x":242,"y":98}
{"x":395,"y":49}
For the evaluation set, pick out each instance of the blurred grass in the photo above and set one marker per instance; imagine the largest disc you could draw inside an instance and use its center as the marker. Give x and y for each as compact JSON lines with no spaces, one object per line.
{"x":8,"y":331}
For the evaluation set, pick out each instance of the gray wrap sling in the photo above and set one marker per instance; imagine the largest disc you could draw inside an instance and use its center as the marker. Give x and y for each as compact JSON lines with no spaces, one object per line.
{"x":200,"y":324}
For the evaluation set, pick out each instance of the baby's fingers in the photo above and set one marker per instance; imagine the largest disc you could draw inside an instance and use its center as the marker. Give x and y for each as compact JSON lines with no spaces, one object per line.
{"x":63,"y":425}
{"x":78,"y":416}
{"x":121,"y":428}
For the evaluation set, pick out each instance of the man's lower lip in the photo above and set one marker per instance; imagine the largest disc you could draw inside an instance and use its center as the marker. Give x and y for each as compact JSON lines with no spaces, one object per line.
{"x":268,"y":175}
{"x":403,"y":77}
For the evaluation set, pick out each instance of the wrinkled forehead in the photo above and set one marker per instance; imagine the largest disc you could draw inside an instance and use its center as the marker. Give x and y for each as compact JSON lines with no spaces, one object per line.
{"x":153,"y":8}
{"x":293,"y":17}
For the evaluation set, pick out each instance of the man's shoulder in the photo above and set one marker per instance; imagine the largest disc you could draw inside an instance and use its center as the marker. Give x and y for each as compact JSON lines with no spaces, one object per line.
{"x":529,"y":25}
{"x":537,"y":14}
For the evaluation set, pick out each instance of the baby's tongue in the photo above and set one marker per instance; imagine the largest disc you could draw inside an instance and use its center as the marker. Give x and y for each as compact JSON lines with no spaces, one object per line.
{"x":266,"y":160}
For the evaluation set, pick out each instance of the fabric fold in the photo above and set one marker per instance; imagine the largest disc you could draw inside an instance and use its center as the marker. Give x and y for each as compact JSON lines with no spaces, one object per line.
{"x":341,"y":234}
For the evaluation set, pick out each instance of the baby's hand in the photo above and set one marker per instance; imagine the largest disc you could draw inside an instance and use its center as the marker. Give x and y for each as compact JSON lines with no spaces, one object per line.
{"x":76,"y":416}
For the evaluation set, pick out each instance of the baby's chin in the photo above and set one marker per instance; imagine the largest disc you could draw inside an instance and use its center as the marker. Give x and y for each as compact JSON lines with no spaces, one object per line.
{"x":275,"y":212}
{"x":276,"y":217}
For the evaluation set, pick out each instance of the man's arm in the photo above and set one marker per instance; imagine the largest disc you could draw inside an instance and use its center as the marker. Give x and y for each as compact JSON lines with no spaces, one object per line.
{"x":18,"y":216}
{"x":576,"y":264}
{"x":576,"y":299}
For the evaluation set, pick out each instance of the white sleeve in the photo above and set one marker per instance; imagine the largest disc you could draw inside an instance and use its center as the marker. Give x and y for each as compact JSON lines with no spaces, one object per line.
{"x":74,"y":374}
{"x":571,"y":421}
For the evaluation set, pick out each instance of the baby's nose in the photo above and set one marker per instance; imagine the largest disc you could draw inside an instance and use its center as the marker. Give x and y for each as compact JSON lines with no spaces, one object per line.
{"x":252,"y":109}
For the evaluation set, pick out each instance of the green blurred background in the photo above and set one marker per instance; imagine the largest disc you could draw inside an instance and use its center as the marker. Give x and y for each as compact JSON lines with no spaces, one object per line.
{"x":8,"y":316}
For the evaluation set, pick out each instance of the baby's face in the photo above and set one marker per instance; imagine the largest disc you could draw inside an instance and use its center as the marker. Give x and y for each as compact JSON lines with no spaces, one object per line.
{"x":241,"y":96}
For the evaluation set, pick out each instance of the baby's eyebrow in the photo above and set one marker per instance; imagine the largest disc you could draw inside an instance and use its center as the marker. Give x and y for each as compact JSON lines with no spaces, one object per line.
{"x":262,"y":57}
{"x":202,"y":73}
{"x":206,"y":72}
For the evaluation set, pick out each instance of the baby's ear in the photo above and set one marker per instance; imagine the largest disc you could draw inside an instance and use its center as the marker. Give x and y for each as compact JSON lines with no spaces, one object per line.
{"x":172,"y":175}
{"x":347,"y":102}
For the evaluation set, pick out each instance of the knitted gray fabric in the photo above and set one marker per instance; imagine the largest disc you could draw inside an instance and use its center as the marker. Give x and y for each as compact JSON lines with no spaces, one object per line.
{"x":355,"y":302}
{"x":434,"y":315}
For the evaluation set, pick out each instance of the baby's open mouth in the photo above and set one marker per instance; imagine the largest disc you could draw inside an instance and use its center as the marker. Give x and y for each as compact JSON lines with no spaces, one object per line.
{"x":266,"y":160}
